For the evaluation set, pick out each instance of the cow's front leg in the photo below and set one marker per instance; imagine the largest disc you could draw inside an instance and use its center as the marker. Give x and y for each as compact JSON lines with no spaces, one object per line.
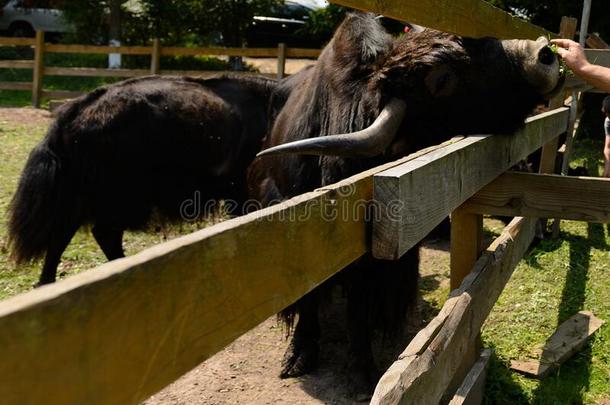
{"x":362,"y":373}
{"x":301,"y":356}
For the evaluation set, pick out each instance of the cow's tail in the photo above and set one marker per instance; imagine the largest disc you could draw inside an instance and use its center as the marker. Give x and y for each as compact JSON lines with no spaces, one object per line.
{"x":36,"y":210}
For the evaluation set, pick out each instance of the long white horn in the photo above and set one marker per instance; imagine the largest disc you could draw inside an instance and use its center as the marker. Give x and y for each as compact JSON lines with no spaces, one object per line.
{"x":368,"y":142}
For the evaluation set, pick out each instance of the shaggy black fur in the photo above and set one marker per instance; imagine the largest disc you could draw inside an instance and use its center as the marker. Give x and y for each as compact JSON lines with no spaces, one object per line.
{"x":451,"y":86}
{"x":122,"y":152}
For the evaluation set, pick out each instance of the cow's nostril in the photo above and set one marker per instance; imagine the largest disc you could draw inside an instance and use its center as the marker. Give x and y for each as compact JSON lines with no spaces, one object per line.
{"x":546,"y":56}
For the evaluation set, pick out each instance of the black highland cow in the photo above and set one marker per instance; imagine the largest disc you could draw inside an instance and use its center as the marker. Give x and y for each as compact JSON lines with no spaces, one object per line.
{"x":114,"y":156}
{"x":388,"y":97}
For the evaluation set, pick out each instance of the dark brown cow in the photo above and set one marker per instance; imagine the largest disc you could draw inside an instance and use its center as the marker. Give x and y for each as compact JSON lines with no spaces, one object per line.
{"x":122,"y":152}
{"x":388,"y":97}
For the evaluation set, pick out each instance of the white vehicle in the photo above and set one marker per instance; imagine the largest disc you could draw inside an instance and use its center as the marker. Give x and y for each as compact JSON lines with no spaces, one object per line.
{"x":22,"y":18}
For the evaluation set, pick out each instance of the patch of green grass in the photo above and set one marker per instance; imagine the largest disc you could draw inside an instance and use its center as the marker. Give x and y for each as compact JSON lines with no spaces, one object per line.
{"x":83,"y":253}
{"x":554,"y":281}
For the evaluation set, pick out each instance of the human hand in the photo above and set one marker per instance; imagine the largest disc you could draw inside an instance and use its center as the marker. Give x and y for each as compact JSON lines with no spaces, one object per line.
{"x":572,"y":54}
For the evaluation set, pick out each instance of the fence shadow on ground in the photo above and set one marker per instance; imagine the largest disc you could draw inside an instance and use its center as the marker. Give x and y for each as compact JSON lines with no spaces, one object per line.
{"x":568,"y":383}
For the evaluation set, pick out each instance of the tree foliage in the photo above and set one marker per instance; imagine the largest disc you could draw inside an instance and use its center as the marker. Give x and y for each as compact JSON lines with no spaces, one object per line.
{"x":548,"y":13}
{"x":322,"y":22}
{"x":175,"y":21}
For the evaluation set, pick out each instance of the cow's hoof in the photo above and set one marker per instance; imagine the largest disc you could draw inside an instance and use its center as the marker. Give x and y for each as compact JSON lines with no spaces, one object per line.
{"x":299,"y":359}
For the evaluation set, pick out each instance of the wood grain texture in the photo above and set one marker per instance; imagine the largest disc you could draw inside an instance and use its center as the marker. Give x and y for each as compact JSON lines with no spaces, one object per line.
{"x":17,"y":64}
{"x":281,"y":60}
{"x":465,"y":248}
{"x":103,"y":49}
{"x":38,"y":68}
{"x":569,"y":337}
{"x":61,"y":94}
{"x":155,"y":57}
{"x":261,"y":52}
{"x":473,"y":18}
{"x":472,"y":389}
{"x":95,"y":72}
{"x":16,"y":86}
{"x":209,"y":73}
{"x":425,"y":369}
{"x":9,"y":41}
{"x":119,"y":333}
{"x":594,"y":41}
{"x":415,"y":197}
{"x":545,"y":196}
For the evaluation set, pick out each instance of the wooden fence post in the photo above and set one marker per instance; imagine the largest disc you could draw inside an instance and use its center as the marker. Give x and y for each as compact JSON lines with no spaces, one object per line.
{"x":281,"y":60}
{"x":38,"y":74}
{"x":466,"y":244}
{"x":155,"y":57}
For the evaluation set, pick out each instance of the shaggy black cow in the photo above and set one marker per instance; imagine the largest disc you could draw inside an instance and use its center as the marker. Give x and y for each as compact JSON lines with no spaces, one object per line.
{"x":388,"y":97}
{"x":122,"y":152}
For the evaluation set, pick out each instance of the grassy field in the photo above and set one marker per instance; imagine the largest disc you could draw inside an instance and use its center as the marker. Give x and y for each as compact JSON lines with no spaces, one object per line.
{"x":555,"y":280}
{"x":83,"y":253}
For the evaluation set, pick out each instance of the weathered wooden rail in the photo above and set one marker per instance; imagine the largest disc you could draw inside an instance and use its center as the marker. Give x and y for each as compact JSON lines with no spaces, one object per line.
{"x":155,"y":51}
{"x":121,"y":332}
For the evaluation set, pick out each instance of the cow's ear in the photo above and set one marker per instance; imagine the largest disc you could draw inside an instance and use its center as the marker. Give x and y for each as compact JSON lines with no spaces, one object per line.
{"x":441,"y":81}
{"x":360,"y":39}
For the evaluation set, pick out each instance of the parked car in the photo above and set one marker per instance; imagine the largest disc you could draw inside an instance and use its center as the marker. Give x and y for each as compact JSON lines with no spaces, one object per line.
{"x":22,"y":18}
{"x":282,"y":25}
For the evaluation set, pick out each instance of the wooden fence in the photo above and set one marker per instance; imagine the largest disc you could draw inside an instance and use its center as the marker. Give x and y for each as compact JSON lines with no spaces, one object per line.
{"x":155,"y":51}
{"x":122,"y":331}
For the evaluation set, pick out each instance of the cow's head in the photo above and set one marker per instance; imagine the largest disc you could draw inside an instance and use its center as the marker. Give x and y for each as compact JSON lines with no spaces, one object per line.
{"x":461,"y":85}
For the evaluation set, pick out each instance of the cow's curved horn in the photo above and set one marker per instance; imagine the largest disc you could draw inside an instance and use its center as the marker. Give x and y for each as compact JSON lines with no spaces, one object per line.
{"x":369,"y":142}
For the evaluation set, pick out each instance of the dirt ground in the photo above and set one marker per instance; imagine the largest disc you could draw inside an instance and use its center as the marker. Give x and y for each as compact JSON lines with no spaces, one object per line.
{"x":28,"y":117}
{"x":246,"y":372}
{"x":269,"y":65}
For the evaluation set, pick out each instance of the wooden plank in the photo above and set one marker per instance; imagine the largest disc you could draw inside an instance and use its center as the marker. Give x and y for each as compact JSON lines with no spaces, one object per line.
{"x":62,"y":94}
{"x":594,"y":41}
{"x":102,"y":49}
{"x":544,"y":196}
{"x":38,"y":71}
{"x":455,"y":173}
{"x":281,"y":60}
{"x":95,"y":72}
{"x":569,"y":338}
{"x":155,"y":57}
{"x":472,"y":389}
{"x":302,"y":53}
{"x":473,"y":18}
{"x":424,"y":371}
{"x":210,"y":73}
{"x":123,"y":331}
{"x":261,"y":52}
{"x":16,"y":86}
{"x":17,"y":64}
{"x":9,"y":41}
{"x":466,"y":240}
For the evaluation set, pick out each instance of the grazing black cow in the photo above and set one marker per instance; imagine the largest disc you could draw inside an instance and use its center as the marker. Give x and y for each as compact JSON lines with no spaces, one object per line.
{"x":388,"y":97}
{"x":114,"y":157}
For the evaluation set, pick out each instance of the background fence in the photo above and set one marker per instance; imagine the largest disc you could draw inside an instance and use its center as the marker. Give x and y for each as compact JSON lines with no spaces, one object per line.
{"x":155,"y":51}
